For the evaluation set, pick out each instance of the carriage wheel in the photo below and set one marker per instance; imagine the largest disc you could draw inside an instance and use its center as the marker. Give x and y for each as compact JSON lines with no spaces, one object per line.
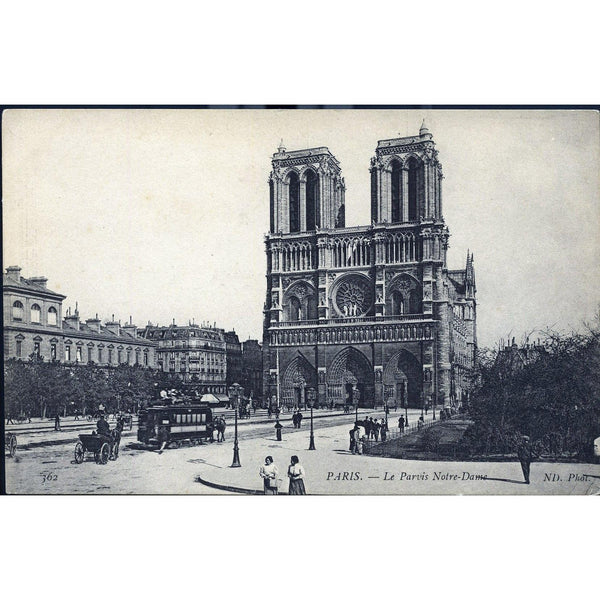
{"x":104,"y":454}
{"x":12,"y":446}
{"x":115,"y":453}
{"x":79,"y":453}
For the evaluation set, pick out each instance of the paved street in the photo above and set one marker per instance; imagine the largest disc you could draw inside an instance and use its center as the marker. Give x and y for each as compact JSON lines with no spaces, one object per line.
{"x":48,"y":467}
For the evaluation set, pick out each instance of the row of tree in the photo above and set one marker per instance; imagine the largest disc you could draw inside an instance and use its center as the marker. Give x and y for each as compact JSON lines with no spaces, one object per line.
{"x":550,"y":393}
{"x":37,"y":388}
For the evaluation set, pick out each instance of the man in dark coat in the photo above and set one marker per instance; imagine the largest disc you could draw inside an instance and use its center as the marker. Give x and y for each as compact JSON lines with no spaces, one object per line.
{"x":376,"y":428}
{"x":102,"y":427}
{"x":299,"y":418}
{"x":525,"y":455}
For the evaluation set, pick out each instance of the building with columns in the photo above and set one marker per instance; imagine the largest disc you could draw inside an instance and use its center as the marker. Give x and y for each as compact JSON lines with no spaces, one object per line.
{"x":367,"y":314}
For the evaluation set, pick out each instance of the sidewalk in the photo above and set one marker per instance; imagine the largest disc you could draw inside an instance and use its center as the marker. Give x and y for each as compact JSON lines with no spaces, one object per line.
{"x":332,"y":469}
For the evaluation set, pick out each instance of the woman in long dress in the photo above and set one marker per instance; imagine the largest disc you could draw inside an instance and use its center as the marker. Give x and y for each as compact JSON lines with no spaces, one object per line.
{"x":269,"y":474}
{"x":296,"y":475}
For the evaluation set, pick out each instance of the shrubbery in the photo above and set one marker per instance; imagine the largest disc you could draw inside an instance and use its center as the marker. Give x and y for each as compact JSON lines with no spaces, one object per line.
{"x":554,"y":398}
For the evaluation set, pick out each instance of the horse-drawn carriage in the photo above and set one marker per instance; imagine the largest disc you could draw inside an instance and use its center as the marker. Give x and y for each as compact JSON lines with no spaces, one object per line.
{"x":10,"y":444}
{"x":103,"y":447}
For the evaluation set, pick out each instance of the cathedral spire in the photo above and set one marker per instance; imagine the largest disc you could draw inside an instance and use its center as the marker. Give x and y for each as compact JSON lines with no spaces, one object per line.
{"x":423,"y":130}
{"x":281,"y":147}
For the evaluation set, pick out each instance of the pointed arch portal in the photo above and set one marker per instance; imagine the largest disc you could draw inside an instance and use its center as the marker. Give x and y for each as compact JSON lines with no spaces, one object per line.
{"x":350,"y":379}
{"x":298,"y":376}
{"x":402,"y":380}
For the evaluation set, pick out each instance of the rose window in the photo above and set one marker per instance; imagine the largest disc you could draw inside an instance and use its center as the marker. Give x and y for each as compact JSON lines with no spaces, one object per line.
{"x":353,"y":297}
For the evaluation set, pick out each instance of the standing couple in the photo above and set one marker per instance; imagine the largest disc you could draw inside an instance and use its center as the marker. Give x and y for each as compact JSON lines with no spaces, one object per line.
{"x":271,"y":482}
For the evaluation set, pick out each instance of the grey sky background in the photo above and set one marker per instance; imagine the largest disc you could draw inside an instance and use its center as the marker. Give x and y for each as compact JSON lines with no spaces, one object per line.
{"x":160,"y":214}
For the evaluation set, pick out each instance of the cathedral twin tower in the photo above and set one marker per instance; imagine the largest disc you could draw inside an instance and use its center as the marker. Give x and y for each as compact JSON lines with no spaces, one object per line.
{"x":368,"y":315}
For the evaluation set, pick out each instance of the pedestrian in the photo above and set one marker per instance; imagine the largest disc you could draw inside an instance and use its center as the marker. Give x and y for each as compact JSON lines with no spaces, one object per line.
{"x":421,"y":422}
{"x":384,"y":431}
{"x":163,"y":438}
{"x":295,"y":419}
{"x":367,"y":426}
{"x":210,"y":430}
{"x":57,"y":422}
{"x":221,"y":425}
{"x":376,"y":429}
{"x":299,"y":419}
{"x":117,"y":436}
{"x":371,"y":427}
{"x":525,"y":455}
{"x":9,"y":420}
{"x":269,"y":474}
{"x":296,"y":476}
{"x":401,"y":424}
{"x":353,"y":439}
{"x":360,"y":443}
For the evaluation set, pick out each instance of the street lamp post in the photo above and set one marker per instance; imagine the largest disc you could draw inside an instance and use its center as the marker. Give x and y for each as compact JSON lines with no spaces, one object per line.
{"x":235,"y":391}
{"x":405,"y":401}
{"x":386,"y":397}
{"x":311,"y":394}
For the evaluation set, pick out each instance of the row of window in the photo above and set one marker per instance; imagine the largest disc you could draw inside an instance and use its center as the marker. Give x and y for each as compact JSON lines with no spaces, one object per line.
{"x":79,"y":354}
{"x":199,"y":418}
{"x":211,"y":359}
{"x":35,"y":313}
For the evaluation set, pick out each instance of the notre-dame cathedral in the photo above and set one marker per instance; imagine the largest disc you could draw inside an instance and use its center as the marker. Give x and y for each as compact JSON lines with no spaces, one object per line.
{"x":369,"y":314}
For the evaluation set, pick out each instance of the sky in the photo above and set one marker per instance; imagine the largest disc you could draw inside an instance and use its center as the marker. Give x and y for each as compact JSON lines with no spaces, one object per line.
{"x":161,"y":214}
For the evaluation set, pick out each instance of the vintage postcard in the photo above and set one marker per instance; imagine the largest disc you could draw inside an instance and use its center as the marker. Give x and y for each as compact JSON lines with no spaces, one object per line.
{"x":297,"y":301}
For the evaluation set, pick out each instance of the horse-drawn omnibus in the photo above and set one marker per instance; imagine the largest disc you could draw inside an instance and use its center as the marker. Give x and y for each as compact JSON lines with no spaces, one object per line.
{"x":175,"y":424}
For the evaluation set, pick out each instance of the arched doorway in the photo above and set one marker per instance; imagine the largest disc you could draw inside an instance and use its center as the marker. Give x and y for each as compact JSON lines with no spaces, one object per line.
{"x":298,"y":376}
{"x":403,"y":380}
{"x":350,"y":379}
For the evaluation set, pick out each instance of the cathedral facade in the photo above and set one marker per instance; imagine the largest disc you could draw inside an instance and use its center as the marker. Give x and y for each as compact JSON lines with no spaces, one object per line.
{"x":365,"y":315}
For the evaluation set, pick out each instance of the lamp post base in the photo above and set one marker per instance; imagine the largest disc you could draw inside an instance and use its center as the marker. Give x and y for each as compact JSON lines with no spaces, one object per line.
{"x":311,"y":445}
{"x":236,"y":456}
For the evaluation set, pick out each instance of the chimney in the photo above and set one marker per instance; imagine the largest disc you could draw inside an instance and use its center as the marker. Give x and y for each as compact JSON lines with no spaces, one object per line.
{"x":130,"y":328}
{"x":14,"y":273}
{"x":72,"y":319}
{"x":94,"y":324}
{"x":40,"y":281}
{"x":113,"y":326}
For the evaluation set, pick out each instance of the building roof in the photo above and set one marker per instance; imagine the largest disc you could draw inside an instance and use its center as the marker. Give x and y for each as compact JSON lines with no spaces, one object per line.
{"x":28,"y":285}
{"x":105,"y":334}
{"x":172,"y":332}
